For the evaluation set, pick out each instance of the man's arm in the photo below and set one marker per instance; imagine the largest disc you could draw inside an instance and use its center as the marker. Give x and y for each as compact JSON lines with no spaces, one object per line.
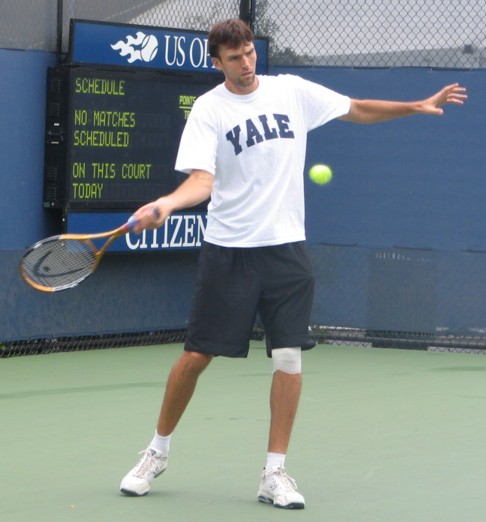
{"x":195,"y":189}
{"x":374,"y":111}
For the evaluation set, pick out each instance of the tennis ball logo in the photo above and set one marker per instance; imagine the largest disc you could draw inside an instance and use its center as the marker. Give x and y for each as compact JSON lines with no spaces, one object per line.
{"x":320,"y":174}
{"x":149,"y":48}
{"x":141,"y":47}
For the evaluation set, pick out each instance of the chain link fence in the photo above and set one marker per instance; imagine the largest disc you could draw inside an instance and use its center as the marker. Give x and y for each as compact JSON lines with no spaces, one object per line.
{"x":375,"y":33}
{"x":345,"y":33}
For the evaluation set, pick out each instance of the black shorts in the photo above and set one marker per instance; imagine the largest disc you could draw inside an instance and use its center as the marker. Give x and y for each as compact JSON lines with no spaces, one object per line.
{"x":234,"y":285}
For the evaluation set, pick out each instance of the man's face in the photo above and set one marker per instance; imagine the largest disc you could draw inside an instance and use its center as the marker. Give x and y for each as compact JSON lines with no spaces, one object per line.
{"x":238,"y":66}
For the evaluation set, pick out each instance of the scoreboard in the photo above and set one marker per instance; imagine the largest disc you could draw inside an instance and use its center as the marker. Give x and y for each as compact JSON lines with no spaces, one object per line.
{"x":115,"y":111}
{"x":112,"y":136}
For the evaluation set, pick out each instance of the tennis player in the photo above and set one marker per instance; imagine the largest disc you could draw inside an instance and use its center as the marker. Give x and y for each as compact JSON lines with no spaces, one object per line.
{"x":244,"y":147}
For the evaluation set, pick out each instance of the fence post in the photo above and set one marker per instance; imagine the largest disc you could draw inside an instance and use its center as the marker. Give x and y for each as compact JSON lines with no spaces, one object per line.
{"x":247,"y":12}
{"x":59,"y":28}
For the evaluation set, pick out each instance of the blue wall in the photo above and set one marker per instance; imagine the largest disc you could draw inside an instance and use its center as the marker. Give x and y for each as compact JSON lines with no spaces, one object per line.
{"x":128,"y":293}
{"x":22,"y":98}
{"x":398,"y":234}
{"x":415,"y":184}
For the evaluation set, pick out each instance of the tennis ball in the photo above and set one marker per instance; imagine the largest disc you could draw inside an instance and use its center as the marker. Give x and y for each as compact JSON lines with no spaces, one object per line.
{"x":320,"y":174}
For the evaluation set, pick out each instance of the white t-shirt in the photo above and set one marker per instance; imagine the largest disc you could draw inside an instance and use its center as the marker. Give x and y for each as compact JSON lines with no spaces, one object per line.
{"x":255,"y":147}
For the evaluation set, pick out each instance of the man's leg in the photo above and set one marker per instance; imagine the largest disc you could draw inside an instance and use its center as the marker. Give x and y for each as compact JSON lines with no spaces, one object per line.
{"x":276,"y":486}
{"x":284,"y":399}
{"x":179,"y":390}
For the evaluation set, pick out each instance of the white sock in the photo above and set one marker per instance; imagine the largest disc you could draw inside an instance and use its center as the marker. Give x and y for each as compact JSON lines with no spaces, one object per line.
{"x":160,"y":443}
{"x":275,"y":461}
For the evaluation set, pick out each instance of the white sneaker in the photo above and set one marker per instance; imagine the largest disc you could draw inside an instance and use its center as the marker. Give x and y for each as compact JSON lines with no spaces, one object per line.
{"x":279,"y":489}
{"x":137,"y":482}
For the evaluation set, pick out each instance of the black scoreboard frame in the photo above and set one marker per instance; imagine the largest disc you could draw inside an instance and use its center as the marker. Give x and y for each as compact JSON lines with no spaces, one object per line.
{"x":111,"y":144}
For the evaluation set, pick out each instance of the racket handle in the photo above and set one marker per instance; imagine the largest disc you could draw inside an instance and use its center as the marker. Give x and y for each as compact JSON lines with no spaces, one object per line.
{"x":131,"y":223}
{"x":133,"y":220}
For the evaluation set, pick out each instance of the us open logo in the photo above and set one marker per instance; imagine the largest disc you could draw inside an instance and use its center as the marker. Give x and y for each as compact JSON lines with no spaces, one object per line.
{"x":141,"y":47}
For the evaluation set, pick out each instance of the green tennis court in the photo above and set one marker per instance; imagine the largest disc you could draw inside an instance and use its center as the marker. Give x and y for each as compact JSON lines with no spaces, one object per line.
{"x":381,"y":435}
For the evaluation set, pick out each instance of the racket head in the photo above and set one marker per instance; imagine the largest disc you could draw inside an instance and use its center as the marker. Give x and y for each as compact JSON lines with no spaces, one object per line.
{"x":61,"y":262}
{"x":58,"y":263}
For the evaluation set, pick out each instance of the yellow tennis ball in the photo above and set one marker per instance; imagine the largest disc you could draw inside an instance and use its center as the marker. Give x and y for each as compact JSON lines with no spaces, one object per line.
{"x":320,"y":174}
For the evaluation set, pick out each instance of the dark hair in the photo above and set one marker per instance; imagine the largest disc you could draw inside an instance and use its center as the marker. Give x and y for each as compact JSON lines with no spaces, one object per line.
{"x":233,"y":33}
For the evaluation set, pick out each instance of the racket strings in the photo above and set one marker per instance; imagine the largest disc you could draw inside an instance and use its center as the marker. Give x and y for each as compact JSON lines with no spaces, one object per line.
{"x":58,"y":263}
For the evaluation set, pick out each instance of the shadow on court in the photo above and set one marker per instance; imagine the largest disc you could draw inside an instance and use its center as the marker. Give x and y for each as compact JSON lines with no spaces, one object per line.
{"x":381,"y":435}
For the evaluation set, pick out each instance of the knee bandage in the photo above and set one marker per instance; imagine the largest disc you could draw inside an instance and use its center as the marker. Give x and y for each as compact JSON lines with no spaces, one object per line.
{"x":287,"y":360}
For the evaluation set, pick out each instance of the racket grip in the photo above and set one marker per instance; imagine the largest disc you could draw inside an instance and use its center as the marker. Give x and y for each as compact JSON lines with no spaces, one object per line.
{"x":131,"y":223}
{"x":133,"y":220}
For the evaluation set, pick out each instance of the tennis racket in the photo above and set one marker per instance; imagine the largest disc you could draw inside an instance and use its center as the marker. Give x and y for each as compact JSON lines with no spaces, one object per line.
{"x":61,"y":262}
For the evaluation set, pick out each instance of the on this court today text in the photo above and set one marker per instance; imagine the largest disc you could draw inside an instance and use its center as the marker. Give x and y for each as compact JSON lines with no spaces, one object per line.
{"x":89,"y":184}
